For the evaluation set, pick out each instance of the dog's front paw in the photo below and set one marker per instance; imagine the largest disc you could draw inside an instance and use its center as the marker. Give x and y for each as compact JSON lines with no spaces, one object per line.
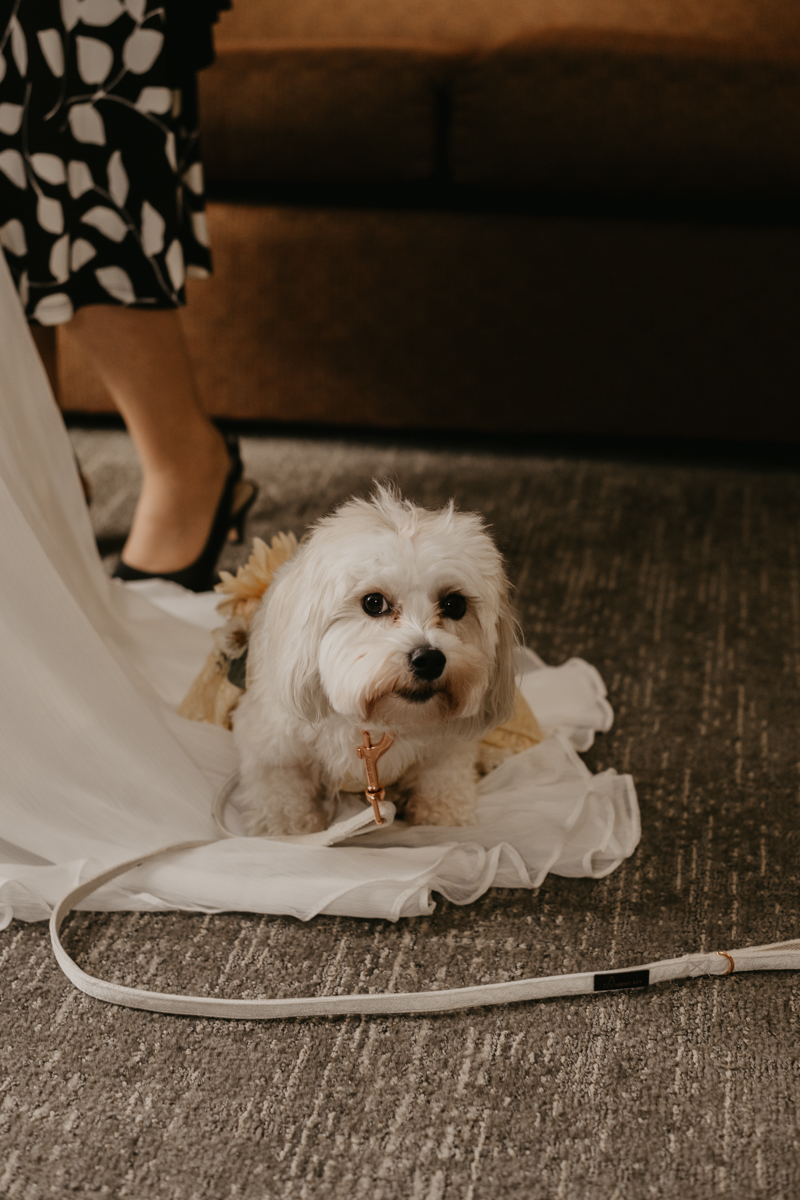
{"x":268,"y":823}
{"x":282,"y":802}
{"x":444,"y":792}
{"x":423,"y":809}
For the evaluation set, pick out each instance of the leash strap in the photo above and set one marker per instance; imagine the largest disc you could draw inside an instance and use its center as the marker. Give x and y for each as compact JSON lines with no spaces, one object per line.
{"x":779,"y":956}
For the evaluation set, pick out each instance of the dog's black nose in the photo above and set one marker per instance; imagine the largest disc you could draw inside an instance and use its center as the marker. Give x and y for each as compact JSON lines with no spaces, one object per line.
{"x":426,"y":663}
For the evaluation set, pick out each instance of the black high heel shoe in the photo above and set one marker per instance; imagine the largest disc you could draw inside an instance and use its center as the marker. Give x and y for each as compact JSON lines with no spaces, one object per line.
{"x":238,"y":497}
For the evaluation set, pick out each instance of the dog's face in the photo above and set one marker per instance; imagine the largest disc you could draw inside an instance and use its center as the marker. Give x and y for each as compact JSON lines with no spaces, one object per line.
{"x":413,"y":641}
{"x":398,"y":617}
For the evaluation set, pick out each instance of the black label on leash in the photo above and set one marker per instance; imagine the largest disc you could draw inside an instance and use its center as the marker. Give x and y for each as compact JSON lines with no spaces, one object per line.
{"x":612,"y":981}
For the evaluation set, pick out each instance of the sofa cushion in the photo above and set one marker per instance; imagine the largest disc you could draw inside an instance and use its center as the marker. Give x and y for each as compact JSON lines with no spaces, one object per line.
{"x":482,"y":23}
{"x":551,"y":94}
{"x":339,"y":114}
{"x":618,"y":113}
{"x":326,"y":93}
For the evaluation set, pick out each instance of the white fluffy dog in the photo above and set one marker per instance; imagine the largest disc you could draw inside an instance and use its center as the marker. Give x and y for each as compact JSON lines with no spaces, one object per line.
{"x":389,"y":618}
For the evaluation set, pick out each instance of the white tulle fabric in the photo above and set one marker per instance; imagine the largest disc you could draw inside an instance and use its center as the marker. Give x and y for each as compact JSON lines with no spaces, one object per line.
{"x":96,"y":766}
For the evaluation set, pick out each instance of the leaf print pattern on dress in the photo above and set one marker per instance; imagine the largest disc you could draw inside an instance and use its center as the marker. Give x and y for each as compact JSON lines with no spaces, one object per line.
{"x":10,"y":117}
{"x":82,"y":252}
{"x":169,"y":150}
{"x":200,"y":226}
{"x":100,"y":12}
{"x":54,"y":309}
{"x":193,"y":178}
{"x":175,"y":265}
{"x":70,"y":14}
{"x":12,"y":165}
{"x":53,"y":50}
{"x":95,"y":59}
{"x":79,"y":178}
{"x":118,"y":184}
{"x":87,"y":124}
{"x":153,"y":226}
{"x":19,"y":46}
{"x":59,"y":259}
{"x":154,"y":100}
{"x":101,"y":188}
{"x":107,"y":221}
{"x":49,"y":167}
{"x":12,"y":237}
{"x":141,"y":50}
{"x":50,"y":214}
{"x":116,"y":283}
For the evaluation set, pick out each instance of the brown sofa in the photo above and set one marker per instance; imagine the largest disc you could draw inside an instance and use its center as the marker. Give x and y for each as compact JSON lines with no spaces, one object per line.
{"x":503,"y":215}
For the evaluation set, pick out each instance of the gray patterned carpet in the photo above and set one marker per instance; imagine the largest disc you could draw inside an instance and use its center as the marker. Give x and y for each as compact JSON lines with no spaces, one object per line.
{"x":683,"y":586}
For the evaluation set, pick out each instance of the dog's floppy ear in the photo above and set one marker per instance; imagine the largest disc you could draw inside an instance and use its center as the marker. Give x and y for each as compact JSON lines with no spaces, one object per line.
{"x":295,"y":612}
{"x":500,"y":695}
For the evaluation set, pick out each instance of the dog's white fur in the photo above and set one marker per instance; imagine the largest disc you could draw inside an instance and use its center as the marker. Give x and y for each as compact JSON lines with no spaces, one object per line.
{"x":320,"y":670}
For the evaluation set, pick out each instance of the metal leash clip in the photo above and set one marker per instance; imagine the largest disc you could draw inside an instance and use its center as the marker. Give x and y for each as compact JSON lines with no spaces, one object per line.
{"x":369,"y":755}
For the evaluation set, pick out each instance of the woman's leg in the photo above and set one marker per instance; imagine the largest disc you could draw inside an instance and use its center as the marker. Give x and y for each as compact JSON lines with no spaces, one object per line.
{"x":142,"y":358}
{"x":45,"y":339}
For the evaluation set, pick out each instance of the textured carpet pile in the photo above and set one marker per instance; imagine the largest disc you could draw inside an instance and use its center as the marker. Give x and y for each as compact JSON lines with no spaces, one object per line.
{"x":682,"y":585}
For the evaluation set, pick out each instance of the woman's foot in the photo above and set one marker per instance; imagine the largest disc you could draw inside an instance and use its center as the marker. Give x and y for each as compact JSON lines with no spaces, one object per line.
{"x":142,"y":357}
{"x":177,"y":504}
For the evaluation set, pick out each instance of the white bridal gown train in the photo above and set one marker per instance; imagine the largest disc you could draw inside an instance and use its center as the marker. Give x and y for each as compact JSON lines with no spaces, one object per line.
{"x":97,"y":767}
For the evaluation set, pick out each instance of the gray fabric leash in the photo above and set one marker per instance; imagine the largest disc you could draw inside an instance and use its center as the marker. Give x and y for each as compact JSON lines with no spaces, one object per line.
{"x":779,"y":956}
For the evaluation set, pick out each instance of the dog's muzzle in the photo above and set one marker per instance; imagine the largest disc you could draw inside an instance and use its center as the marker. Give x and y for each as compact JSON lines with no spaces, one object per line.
{"x":426,"y":663}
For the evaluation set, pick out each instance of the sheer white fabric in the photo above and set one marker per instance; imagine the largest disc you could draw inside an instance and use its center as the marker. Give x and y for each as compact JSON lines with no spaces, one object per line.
{"x":96,"y":766}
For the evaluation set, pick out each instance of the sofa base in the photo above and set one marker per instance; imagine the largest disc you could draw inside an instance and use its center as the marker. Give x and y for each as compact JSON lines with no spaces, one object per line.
{"x":496,"y":322}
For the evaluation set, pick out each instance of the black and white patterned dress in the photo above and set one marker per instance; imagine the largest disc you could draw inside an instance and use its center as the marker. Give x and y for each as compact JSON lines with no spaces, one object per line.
{"x":101,"y":184}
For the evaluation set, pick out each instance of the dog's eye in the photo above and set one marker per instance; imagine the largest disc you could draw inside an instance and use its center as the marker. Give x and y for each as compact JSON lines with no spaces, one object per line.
{"x":453,"y":606}
{"x":375,"y":604}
